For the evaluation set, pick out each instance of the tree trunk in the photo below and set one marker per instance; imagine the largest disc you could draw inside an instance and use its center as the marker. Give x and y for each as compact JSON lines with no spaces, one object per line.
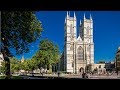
{"x":50,"y":68}
{"x":32,"y":72}
{"x":7,"y":65}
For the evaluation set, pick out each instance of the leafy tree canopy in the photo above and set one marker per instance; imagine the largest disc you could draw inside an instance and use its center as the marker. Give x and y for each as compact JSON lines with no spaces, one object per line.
{"x":48,"y":53}
{"x":18,"y":30}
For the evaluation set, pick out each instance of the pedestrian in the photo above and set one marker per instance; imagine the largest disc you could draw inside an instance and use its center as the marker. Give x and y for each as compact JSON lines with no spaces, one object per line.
{"x":86,"y":75}
{"x":42,"y":73}
{"x":58,"y":74}
{"x":83,"y":75}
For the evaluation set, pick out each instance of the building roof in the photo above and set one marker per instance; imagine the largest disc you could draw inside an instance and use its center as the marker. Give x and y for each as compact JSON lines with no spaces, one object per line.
{"x":118,"y":52}
{"x":118,"y":48}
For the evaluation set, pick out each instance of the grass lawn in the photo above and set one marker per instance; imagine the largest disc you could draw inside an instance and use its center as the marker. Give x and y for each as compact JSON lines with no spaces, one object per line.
{"x":2,"y":77}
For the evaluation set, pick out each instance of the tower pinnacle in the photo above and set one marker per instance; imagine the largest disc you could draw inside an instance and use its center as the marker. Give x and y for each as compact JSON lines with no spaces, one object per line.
{"x":65,"y":20}
{"x":84,"y":16}
{"x":90,"y":17}
{"x":119,"y":48}
{"x":67,"y":14}
{"x":22,"y":60}
{"x":80,"y":21}
{"x":74,"y":15}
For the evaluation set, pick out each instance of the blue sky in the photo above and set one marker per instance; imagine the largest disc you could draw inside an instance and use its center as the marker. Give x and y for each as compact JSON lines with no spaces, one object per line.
{"x":106,"y":30}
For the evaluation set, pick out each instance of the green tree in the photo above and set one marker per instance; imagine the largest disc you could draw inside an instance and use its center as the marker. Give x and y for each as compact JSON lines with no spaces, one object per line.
{"x":3,"y":68}
{"x":38,"y":59}
{"x":48,"y":54}
{"x":33,"y":64}
{"x":18,"y":30}
{"x":25,"y":65}
{"x":29,"y":65}
{"x":14,"y":64}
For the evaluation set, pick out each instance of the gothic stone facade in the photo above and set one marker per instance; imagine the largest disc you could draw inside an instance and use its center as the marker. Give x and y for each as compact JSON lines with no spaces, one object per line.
{"x":78,"y":50}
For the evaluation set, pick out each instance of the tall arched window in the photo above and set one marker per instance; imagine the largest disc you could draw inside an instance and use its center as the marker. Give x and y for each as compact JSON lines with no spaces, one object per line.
{"x":88,"y":29}
{"x":80,"y":53}
{"x":71,"y":29}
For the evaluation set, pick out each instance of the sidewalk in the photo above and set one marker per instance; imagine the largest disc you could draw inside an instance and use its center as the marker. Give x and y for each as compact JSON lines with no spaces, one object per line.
{"x":68,"y":76}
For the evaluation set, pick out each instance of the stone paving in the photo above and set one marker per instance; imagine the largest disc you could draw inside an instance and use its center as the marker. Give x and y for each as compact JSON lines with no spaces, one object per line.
{"x":72,"y":76}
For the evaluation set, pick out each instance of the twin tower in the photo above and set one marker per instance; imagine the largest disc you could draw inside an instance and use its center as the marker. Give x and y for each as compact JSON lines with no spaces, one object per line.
{"x":78,"y":50}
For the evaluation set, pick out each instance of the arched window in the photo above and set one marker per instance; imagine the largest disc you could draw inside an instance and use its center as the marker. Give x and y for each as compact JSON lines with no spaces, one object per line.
{"x":88,"y":48}
{"x":87,"y":32}
{"x":88,"y":29}
{"x":81,"y":69}
{"x":80,"y":53}
{"x":71,"y":29}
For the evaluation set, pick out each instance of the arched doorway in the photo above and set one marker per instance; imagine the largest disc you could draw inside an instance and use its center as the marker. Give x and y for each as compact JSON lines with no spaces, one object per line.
{"x":81,"y":70}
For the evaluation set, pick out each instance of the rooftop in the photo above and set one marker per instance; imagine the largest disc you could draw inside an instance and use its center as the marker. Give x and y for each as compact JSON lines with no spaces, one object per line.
{"x":119,"y":48}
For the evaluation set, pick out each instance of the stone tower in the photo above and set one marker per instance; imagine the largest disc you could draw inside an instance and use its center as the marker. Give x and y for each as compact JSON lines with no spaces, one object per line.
{"x":78,"y":50}
{"x":86,"y":34}
{"x":70,"y":37}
